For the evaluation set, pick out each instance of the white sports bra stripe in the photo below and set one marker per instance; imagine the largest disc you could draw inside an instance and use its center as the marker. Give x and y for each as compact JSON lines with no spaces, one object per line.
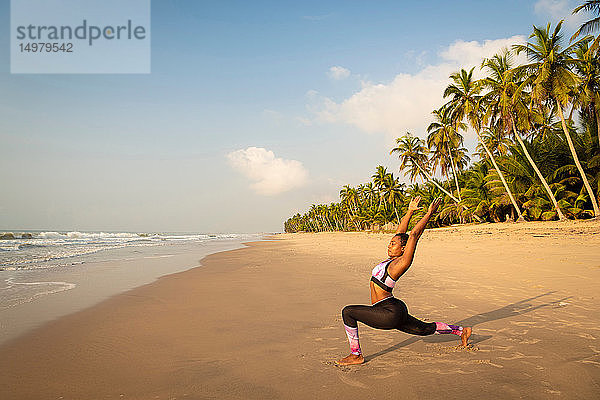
{"x":380,"y":271}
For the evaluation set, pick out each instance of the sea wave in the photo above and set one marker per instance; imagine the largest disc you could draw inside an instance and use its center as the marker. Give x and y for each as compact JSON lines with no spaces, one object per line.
{"x":35,"y":249}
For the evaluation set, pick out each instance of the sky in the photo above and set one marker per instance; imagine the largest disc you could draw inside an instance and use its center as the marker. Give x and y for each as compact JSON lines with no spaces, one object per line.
{"x":252,"y":111}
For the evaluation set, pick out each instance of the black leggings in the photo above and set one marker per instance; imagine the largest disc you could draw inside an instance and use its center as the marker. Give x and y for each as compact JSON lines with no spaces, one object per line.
{"x":390,"y":313}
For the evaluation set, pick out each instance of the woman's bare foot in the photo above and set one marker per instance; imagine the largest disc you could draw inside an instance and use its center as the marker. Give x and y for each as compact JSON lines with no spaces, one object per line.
{"x":466,"y":334}
{"x":352,"y":359}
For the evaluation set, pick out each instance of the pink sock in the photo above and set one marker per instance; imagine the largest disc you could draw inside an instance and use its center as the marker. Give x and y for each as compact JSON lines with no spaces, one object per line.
{"x":442,"y":328}
{"x":352,"y":334}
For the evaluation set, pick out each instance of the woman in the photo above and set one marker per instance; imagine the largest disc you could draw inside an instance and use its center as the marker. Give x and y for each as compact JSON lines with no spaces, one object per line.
{"x":385,"y":311}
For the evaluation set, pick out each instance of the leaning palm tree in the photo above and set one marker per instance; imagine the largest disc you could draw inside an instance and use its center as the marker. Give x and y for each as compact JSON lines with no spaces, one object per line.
{"x":465,"y":103}
{"x":553,"y":81}
{"x":413,"y":157}
{"x":505,"y":100}
{"x":444,"y":139}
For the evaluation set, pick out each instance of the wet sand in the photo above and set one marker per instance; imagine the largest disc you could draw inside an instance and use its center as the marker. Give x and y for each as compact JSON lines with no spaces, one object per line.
{"x":264,"y":322}
{"x":91,"y":279}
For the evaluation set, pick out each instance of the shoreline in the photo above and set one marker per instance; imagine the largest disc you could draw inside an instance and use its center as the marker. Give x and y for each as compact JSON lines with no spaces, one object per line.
{"x":95,"y":278}
{"x":264,"y":322}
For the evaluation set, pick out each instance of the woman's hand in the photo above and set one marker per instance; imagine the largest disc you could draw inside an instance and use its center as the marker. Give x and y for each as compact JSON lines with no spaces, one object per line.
{"x":414,"y":204}
{"x":435,"y":204}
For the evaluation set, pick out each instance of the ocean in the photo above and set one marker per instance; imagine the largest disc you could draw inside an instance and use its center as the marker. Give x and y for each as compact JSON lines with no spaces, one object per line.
{"x":38,"y":249}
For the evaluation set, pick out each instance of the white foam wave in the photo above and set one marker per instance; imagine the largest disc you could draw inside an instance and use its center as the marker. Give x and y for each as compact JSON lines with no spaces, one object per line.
{"x":11,"y":298}
{"x":29,"y":250}
{"x":86,"y":235}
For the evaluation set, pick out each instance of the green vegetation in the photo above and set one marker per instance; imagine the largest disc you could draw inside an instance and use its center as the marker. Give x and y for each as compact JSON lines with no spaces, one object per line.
{"x":539,"y":142}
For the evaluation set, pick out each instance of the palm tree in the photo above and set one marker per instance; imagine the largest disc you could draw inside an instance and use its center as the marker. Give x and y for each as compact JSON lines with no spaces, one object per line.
{"x":393,"y":194}
{"x":592,"y":25}
{"x":495,"y":138}
{"x":553,"y":81}
{"x":587,"y":96}
{"x":379,"y":180}
{"x":478,"y":198}
{"x":413,"y":157}
{"x":465,"y":103}
{"x":505,"y":100}
{"x":349,"y":196}
{"x":444,"y":138}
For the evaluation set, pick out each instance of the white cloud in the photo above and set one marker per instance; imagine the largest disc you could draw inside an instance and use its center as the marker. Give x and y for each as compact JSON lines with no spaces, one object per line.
{"x":271,"y":175}
{"x":338,"y":73}
{"x":471,"y":54}
{"x":405,"y":103}
{"x":560,"y":9}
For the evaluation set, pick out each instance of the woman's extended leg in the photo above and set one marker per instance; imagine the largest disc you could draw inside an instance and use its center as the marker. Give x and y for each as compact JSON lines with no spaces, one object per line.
{"x":417,"y":327}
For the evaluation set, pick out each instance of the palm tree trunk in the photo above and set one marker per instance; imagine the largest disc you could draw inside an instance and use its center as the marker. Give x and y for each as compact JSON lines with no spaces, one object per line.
{"x":577,"y":163}
{"x":430,"y":179}
{"x":512,"y":199}
{"x":597,"y":113}
{"x":326,"y":223}
{"x":380,"y":201}
{"x":561,"y":216}
{"x":355,"y":206}
{"x":454,"y":172}
{"x":455,"y":180}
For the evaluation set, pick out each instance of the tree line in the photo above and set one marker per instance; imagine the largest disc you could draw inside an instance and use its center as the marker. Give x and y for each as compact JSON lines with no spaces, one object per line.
{"x":537,"y":126}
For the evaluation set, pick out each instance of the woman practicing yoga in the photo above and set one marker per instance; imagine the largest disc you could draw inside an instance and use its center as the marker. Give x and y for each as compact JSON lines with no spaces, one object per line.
{"x":385,"y":311}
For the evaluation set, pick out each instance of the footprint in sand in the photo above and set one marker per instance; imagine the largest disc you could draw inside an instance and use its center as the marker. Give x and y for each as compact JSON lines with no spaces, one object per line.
{"x":586,"y":336}
{"x":352,"y":382}
{"x":447,"y":372}
{"x":518,"y":355}
{"x":386,"y":376}
{"x":330,"y":327}
{"x":522,"y":323}
{"x":494,"y":348}
{"x":487,"y":362}
{"x":589,"y":362}
{"x":530,"y":341}
{"x":549,"y":388}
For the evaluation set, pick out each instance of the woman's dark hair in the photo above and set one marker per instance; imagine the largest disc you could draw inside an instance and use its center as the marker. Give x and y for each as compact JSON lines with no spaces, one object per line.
{"x":403,"y":238}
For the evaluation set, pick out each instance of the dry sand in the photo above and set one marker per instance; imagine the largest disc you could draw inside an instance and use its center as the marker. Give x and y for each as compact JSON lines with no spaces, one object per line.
{"x":264,"y":322}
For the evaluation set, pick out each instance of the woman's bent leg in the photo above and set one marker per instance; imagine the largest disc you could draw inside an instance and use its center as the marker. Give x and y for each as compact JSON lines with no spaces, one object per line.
{"x":381,"y":316}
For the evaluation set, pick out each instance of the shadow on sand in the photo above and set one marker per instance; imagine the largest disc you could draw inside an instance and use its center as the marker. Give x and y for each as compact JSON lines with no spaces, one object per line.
{"x":511,"y":310}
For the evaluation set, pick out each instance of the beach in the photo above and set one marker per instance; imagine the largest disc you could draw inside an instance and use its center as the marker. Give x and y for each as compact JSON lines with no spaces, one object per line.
{"x":264,"y":322}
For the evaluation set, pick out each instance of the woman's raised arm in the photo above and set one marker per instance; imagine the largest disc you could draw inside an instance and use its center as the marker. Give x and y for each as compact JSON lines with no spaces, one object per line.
{"x":412,"y":207}
{"x":399,"y":266}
